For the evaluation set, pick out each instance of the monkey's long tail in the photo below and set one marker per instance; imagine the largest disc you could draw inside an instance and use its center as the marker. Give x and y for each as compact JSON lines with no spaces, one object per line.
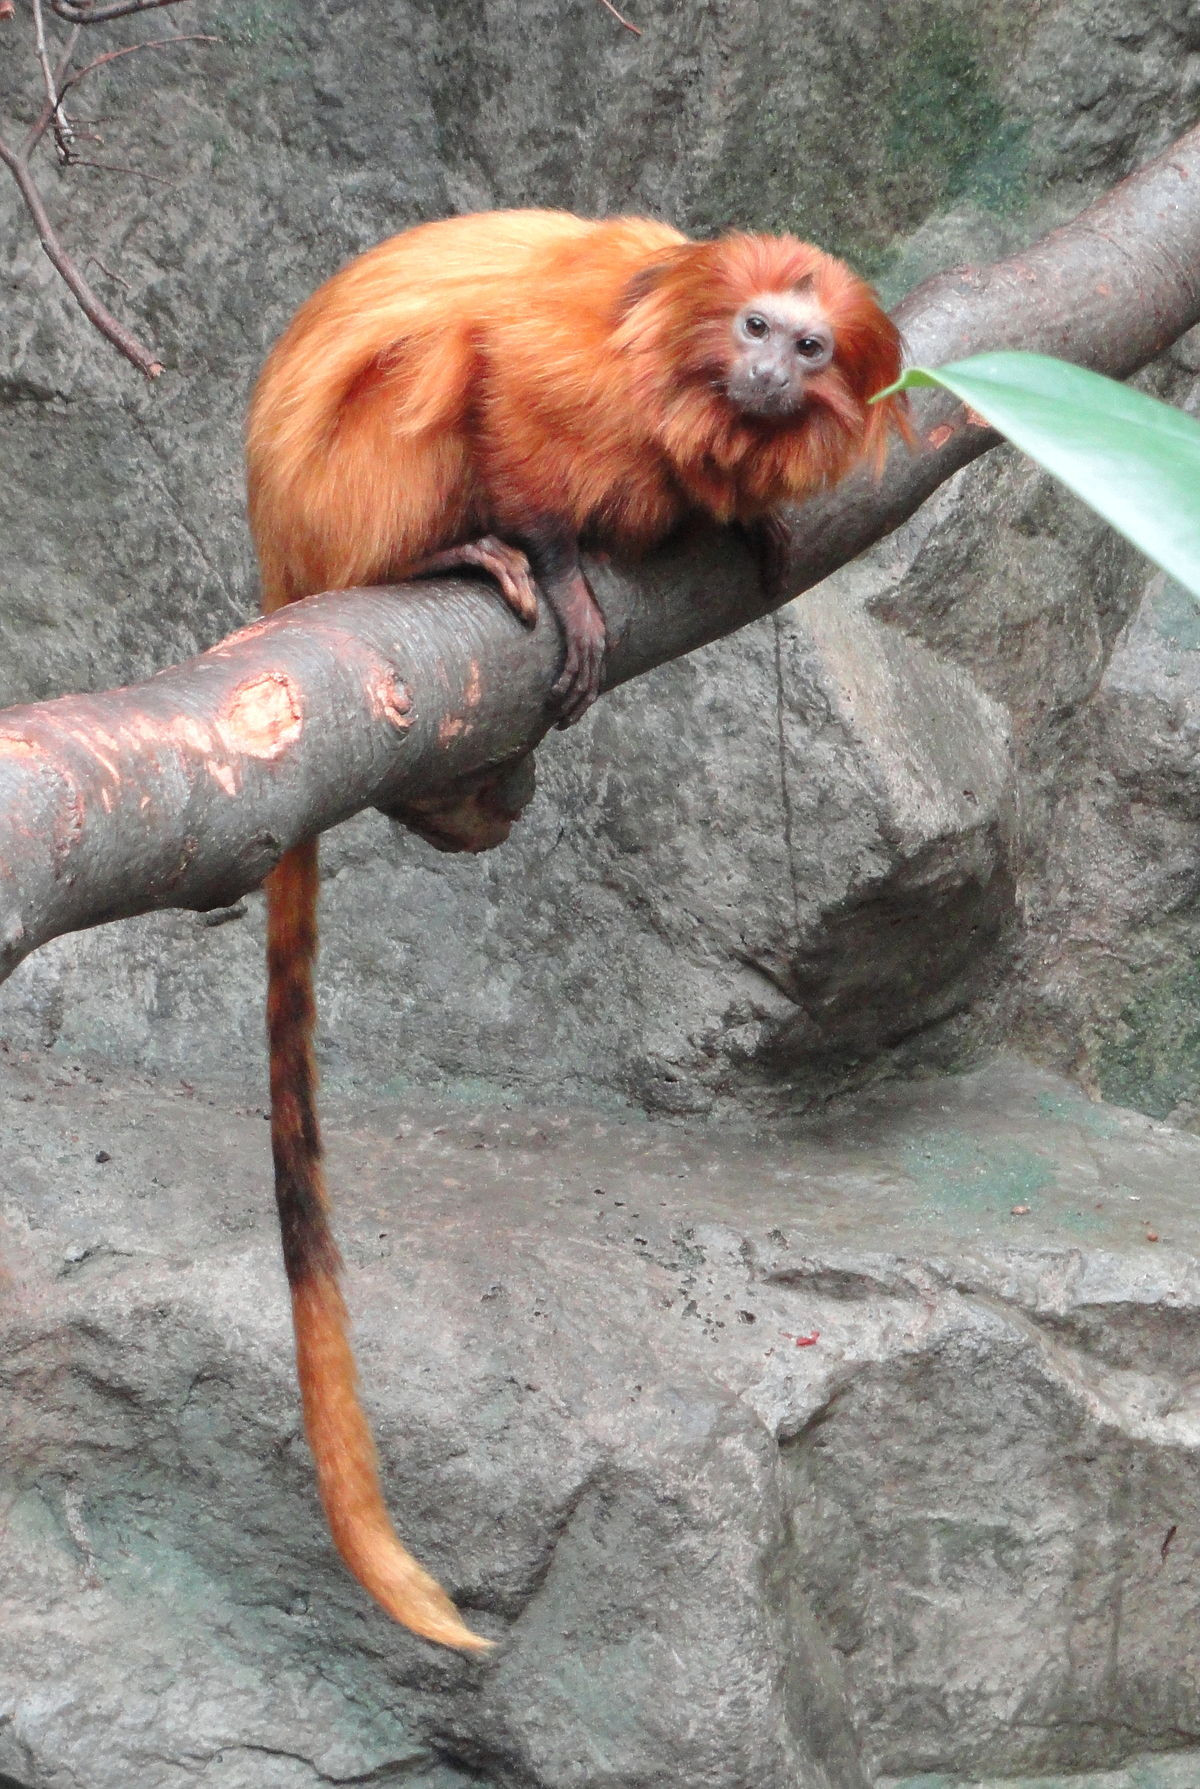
{"x":347,"y":1469}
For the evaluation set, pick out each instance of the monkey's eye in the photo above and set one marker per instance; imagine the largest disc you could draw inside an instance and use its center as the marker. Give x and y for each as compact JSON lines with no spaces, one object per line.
{"x":756,"y":326}
{"x":810,"y":346}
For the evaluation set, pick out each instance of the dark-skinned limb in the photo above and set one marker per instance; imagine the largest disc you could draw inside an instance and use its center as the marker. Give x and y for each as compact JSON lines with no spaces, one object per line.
{"x":480,"y":812}
{"x":553,"y":550}
{"x":508,"y":565}
{"x":769,"y":538}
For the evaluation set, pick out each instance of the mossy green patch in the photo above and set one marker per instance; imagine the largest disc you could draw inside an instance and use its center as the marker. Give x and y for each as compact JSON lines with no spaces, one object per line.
{"x":957,"y":1175}
{"x":1150,"y":1059}
{"x":947,"y":126}
{"x":1078,"y":1110}
{"x":257,"y":22}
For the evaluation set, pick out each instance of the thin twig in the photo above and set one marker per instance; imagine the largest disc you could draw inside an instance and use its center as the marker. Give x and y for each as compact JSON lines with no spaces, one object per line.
{"x":79,"y":161}
{"x":82,"y":12}
{"x":63,"y":134}
{"x":132,"y":49}
{"x":58,"y":82}
{"x":95,"y":261}
{"x":98,"y":314}
{"x":607,"y":4}
{"x":38,"y":129}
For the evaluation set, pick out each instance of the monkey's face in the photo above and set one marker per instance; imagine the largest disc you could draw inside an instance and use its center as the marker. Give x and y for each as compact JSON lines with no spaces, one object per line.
{"x":779,"y":341}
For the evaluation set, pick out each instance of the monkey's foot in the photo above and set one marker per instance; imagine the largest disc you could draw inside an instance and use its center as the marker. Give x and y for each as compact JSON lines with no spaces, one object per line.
{"x":478,"y":814}
{"x":508,"y":565}
{"x":771,"y":539}
{"x":578,"y":683}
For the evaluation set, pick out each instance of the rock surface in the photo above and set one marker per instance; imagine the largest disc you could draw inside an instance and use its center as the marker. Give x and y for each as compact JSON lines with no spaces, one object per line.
{"x":830,"y":1456}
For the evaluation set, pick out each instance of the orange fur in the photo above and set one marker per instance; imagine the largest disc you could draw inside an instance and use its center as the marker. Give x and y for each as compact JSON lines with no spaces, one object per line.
{"x":487,"y":374}
{"x":477,"y":372}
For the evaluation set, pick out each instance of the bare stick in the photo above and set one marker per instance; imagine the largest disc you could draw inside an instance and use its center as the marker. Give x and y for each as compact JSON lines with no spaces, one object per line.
{"x":57,"y":83}
{"x":98,"y":314}
{"x":609,"y":7}
{"x":79,"y":161}
{"x":38,"y":128}
{"x":95,"y":261}
{"x":82,"y":12}
{"x":131,"y":49}
{"x":63,"y":135}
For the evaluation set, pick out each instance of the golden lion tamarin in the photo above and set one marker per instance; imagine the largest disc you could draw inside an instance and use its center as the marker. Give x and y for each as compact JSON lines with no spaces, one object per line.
{"x":490,"y":391}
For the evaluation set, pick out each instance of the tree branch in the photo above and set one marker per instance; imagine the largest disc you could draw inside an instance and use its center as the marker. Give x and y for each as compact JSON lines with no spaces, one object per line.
{"x":183,"y":791}
{"x":130,"y":49}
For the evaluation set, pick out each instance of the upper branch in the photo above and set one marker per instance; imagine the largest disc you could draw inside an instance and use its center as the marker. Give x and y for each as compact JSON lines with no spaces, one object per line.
{"x":184,"y":790}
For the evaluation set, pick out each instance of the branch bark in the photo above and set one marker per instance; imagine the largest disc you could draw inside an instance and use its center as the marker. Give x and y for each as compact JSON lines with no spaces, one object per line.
{"x":183,"y":791}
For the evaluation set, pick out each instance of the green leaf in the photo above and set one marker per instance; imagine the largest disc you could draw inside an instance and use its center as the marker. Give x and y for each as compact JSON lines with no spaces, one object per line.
{"x":1134,"y":460}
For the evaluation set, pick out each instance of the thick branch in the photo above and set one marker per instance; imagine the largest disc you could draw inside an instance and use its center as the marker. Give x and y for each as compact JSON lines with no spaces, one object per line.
{"x":183,"y":791}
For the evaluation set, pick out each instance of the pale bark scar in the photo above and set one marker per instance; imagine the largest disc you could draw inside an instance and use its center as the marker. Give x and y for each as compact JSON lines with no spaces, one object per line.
{"x":12,"y":746}
{"x":389,"y":699}
{"x":474,"y":690}
{"x":453,"y":727}
{"x":197,"y":737}
{"x":262,"y":718}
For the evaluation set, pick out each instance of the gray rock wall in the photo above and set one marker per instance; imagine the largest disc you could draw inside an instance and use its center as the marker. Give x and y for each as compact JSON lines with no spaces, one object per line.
{"x":820,"y":1460}
{"x":759,"y":873}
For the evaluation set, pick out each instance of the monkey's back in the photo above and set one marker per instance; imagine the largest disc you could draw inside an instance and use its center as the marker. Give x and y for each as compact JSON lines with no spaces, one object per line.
{"x":363,"y":443}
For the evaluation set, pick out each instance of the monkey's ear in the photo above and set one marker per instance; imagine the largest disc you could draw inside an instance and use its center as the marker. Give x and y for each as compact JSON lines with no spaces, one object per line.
{"x":639,"y":287}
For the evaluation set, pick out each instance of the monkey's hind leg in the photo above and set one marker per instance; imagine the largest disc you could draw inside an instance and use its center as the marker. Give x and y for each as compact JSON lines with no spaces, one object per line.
{"x":508,"y":565}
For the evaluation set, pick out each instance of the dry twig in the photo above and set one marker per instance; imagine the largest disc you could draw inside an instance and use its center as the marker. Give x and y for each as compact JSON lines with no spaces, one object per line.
{"x":609,"y":7}
{"x":84,"y":12}
{"x":57,"y":81}
{"x":130,"y":49}
{"x":63,"y":135}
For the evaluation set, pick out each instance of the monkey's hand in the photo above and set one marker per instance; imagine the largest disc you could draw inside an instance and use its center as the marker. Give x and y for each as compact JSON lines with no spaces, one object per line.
{"x":582,"y":622}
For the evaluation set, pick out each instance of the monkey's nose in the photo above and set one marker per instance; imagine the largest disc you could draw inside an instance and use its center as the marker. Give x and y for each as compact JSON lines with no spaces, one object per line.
{"x":768,"y":376}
